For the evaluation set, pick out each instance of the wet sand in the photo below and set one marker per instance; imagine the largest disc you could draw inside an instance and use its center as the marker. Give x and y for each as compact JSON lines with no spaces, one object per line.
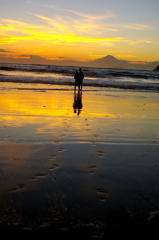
{"x":78,"y":173}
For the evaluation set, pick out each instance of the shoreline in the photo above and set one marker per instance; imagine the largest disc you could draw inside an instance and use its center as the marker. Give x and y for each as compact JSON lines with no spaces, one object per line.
{"x":89,"y":173}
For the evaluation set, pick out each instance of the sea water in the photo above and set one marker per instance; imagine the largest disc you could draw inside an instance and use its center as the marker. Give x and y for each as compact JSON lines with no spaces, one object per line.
{"x":63,"y":77}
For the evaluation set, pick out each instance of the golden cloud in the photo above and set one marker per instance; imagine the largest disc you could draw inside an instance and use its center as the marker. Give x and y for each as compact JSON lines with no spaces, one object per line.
{"x":57,"y":31}
{"x":139,"y":27}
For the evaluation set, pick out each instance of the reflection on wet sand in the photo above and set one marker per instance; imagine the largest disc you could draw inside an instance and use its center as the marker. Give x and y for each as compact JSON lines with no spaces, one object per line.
{"x":77,"y":105}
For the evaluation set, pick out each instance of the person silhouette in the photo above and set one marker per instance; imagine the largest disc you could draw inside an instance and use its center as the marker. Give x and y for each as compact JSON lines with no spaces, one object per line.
{"x":76,"y":77}
{"x":81,"y":77}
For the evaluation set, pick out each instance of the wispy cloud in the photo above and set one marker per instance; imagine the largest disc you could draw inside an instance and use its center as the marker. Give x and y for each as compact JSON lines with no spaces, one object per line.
{"x":14,"y":31}
{"x":107,"y":14}
{"x":138,"y":26}
{"x":68,"y":30}
{"x":125,"y":56}
{"x":133,"y":42}
{"x":88,"y":24}
{"x":84,"y":22}
{"x":57,"y":30}
{"x":56,"y":23}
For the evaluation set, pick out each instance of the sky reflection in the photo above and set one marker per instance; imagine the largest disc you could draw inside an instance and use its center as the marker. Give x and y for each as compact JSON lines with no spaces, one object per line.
{"x":37,"y":116}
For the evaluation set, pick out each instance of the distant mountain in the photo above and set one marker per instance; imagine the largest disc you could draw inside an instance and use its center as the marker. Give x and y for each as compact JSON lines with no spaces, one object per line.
{"x":112,"y":62}
{"x":108,"y":61}
{"x":105,"y":61}
{"x":156,"y":69}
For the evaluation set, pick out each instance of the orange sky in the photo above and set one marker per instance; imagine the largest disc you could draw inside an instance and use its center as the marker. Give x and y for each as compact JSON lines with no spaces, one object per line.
{"x":86,"y":32}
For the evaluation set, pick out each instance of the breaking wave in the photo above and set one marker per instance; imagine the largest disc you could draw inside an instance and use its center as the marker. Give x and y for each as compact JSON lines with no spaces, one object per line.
{"x":94,"y":77}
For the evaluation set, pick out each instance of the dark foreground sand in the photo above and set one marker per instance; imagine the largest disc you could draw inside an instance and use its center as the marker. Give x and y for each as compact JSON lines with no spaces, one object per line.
{"x":87,"y":175}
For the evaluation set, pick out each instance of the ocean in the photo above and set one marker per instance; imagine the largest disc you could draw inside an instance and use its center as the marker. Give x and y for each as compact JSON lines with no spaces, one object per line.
{"x":62,"y":77}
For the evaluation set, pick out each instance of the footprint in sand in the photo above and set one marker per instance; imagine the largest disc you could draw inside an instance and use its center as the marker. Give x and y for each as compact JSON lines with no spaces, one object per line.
{"x":102,"y":194}
{"x":100,"y":153}
{"x":96,"y":135}
{"x":18,"y":187}
{"x":54,"y":166}
{"x":65,"y":121}
{"x":93,"y":143}
{"x":52,"y":157}
{"x":61,"y":149}
{"x":92,"y":169}
{"x":63,"y":135}
{"x":39,"y":175}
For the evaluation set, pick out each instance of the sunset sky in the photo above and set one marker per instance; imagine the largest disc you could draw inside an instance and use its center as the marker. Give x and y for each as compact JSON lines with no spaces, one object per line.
{"x":80,"y":30}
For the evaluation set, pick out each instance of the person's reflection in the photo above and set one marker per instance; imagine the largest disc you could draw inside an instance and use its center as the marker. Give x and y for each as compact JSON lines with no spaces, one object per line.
{"x":77,"y":105}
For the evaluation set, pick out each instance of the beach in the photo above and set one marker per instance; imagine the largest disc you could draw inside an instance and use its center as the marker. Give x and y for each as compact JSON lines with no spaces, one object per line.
{"x":78,"y":163}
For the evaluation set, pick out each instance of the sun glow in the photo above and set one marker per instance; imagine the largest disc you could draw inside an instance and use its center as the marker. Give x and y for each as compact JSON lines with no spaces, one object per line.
{"x":73,"y":34}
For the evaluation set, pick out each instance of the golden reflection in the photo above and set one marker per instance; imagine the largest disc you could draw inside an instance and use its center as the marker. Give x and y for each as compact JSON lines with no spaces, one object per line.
{"x":34,"y":103}
{"x":27,"y":105}
{"x":50,"y":115}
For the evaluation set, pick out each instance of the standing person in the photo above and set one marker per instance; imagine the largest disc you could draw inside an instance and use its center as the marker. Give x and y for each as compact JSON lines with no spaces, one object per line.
{"x":81,"y":77}
{"x":76,"y":77}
